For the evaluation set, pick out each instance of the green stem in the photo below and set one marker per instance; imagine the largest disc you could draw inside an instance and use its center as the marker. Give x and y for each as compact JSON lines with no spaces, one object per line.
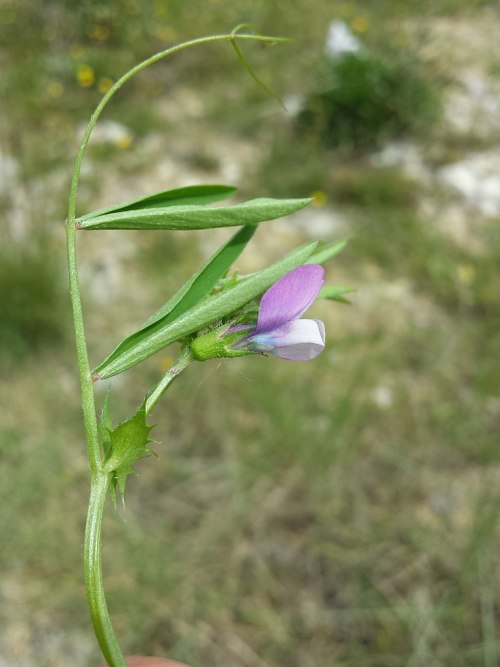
{"x":99,"y":480}
{"x":183,"y":360}
{"x":93,"y":573}
{"x":86,"y":384}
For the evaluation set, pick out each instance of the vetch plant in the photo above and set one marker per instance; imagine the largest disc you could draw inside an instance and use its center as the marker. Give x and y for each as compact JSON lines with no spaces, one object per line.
{"x":214,"y":314}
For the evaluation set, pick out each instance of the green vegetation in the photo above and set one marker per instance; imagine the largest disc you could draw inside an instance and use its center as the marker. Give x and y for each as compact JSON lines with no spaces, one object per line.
{"x":340,"y":513}
{"x":33,"y":296}
{"x":367,"y":101}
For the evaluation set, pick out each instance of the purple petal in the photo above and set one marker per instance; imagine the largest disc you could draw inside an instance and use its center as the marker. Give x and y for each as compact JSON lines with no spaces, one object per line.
{"x":290,"y":297}
{"x":298,"y":340}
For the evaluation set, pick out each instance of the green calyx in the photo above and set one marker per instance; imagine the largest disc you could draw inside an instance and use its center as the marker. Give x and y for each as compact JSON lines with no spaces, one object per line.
{"x":217,"y":344}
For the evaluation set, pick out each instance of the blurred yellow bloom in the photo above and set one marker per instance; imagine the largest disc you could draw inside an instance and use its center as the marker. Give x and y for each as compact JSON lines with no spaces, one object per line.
{"x":55,"y":89}
{"x":360,"y":24}
{"x":99,"y":32}
{"x":319,"y":198}
{"x":85,"y":75}
{"x":104,"y":84}
{"x":466,"y":273}
{"x":124,"y":142}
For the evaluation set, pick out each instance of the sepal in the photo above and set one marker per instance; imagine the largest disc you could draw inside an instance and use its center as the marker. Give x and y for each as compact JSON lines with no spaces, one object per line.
{"x":216,"y":344}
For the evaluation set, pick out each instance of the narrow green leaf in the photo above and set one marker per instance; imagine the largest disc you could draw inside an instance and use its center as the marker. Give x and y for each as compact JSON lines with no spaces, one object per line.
{"x":196,"y":217}
{"x":328,"y":251}
{"x":192,"y":194}
{"x":334,"y":292}
{"x":148,"y":341}
{"x":206,"y":278}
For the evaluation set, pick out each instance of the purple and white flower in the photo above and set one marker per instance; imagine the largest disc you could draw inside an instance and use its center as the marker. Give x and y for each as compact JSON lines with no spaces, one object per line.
{"x":279,"y":330}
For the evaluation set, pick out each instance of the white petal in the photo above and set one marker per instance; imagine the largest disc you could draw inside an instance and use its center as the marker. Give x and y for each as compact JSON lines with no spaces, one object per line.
{"x":299,"y":340}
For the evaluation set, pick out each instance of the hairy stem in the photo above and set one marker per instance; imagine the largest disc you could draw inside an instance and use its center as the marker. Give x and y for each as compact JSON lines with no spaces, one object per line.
{"x":93,"y":573}
{"x":86,"y":384}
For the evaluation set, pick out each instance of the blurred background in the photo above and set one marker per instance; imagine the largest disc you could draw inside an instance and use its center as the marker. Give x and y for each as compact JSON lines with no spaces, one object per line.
{"x":341,"y":512}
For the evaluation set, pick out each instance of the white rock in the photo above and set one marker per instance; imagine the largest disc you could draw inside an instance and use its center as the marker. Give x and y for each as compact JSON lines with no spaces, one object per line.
{"x":318,"y":222}
{"x":293,"y":104}
{"x":109,"y":132}
{"x":474,"y":105}
{"x":340,"y":40}
{"x":16,"y":199}
{"x":477,"y":180}
{"x":406,"y":155}
{"x":382,"y":396}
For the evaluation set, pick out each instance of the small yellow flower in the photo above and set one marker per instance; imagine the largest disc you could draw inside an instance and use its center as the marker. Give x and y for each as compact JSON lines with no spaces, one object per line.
{"x":55,"y":89}
{"x":104,"y":84}
{"x":124,"y":141}
{"x":360,"y":24}
{"x":466,"y":273}
{"x":85,"y":75}
{"x":319,"y":198}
